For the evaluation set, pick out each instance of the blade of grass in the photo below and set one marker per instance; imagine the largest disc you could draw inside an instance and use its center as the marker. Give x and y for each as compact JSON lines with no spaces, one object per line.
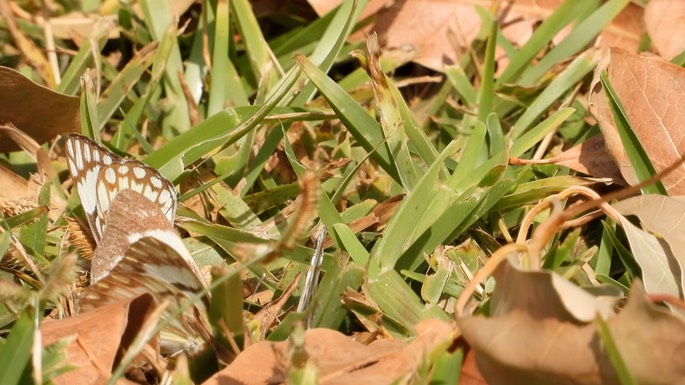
{"x":637,"y":155}
{"x":363,"y":127}
{"x":90,"y":49}
{"x":563,"y":82}
{"x":158,"y":17}
{"x":258,"y":51}
{"x":560,"y":18}
{"x":620,"y":367}
{"x":486,"y":92}
{"x":577,"y":40}
{"x":16,"y":351}
{"x":122,"y":85}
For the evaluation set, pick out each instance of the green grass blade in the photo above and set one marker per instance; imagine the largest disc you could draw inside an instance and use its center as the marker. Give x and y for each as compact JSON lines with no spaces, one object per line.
{"x":486,"y":92}
{"x":258,"y":51}
{"x":560,"y":18}
{"x":565,"y":81}
{"x":577,"y":40}
{"x":16,"y":351}
{"x":121,"y":86}
{"x":637,"y":155}
{"x":363,"y":127}
{"x":620,"y":367}
{"x":84,"y":59}
{"x":403,"y":229}
{"x":535,"y":134}
{"x":471,"y":154}
{"x":158,"y":17}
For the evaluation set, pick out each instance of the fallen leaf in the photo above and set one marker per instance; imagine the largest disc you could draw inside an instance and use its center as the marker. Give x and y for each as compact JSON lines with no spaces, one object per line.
{"x":95,"y":339}
{"x":339,"y":359}
{"x":665,"y":21}
{"x":662,"y":216}
{"x":655,"y":260}
{"x":536,"y":342}
{"x":589,"y":157}
{"x":55,"y":114}
{"x":651,"y":91}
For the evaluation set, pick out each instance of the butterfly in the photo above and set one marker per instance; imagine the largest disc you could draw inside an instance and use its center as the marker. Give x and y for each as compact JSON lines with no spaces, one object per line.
{"x":131,"y":207}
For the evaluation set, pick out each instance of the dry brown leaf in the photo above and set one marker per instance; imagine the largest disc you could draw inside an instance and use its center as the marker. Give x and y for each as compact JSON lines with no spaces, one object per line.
{"x":339,"y":359}
{"x":55,"y":114}
{"x":470,"y":375}
{"x":589,"y":157}
{"x":662,"y":216}
{"x":665,"y":22}
{"x":82,"y":25}
{"x":96,"y":337}
{"x":434,"y":27}
{"x":530,"y":339}
{"x":651,"y":91}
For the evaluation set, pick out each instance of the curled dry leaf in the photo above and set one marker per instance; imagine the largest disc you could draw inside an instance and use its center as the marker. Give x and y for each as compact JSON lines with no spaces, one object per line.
{"x":536,"y":341}
{"x":665,"y":22}
{"x":662,"y":216}
{"x":55,"y":114}
{"x":589,"y":157}
{"x":651,"y":91}
{"x":439,"y":31}
{"x":339,"y":359}
{"x":92,"y":349}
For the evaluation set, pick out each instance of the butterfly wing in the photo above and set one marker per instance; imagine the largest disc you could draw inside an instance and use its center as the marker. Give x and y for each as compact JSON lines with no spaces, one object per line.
{"x":151,"y":265}
{"x":99,"y":175}
{"x":131,"y":216}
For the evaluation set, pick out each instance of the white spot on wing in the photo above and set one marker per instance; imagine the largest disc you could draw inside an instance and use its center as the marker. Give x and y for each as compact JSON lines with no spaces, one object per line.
{"x":152,"y":195}
{"x":139,"y":172}
{"x":86,"y":191}
{"x":103,"y":197}
{"x":86,"y":153}
{"x":70,"y":148}
{"x":107,"y":159}
{"x":156,"y":182}
{"x":110,"y":176}
{"x":164,"y":197}
{"x":72,"y":168}
{"x":138,"y":187}
{"x":79,"y":158}
{"x":123,"y":183}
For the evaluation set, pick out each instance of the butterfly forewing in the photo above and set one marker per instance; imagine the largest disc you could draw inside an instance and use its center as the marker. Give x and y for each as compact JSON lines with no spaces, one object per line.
{"x":100,"y":174}
{"x":85,"y":158}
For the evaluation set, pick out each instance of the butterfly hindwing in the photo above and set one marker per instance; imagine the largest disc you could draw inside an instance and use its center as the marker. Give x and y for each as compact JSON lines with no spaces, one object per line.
{"x":150,"y":265}
{"x":131,"y":217}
